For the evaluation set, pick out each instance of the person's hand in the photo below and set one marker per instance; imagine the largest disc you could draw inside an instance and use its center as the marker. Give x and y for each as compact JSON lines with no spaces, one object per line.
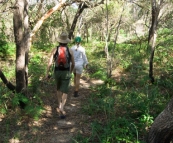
{"x":86,"y":66}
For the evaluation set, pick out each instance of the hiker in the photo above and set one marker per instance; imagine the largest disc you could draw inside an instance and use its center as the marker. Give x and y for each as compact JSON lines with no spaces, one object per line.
{"x":62,"y":56}
{"x":81,"y":62}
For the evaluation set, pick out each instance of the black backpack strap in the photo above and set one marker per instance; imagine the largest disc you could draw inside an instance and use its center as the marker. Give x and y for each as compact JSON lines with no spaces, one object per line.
{"x":68,"y":54}
{"x":56,"y":53}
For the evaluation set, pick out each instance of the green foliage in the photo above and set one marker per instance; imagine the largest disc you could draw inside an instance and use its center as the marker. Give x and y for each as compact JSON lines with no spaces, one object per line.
{"x":4,"y":45}
{"x":5,"y":99}
{"x":124,"y":106}
{"x":99,"y":74}
{"x":99,"y":102}
{"x":46,"y":37}
{"x":110,"y":82}
{"x":34,"y":104}
{"x":43,"y":45}
{"x":146,"y":120}
{"x":34,"y":111}
{"x":123,"y":110}
{"x":37,"y":68}
{"x":96,"y":70}
{"x":34,"y":108}
{"x":125,"y":116}
{"x":19,"y":97}
{"x":117,"y":130}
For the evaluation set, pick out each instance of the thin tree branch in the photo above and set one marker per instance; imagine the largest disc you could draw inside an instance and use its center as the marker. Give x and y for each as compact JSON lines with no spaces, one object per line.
{"x":6,"y":82}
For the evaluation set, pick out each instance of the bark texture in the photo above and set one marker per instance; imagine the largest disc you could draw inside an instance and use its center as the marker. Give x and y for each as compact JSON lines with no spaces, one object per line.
{"x":81,"y":7}
{"x":19,"y":34}
{"x":152,"y":36}
{"x":162,"y":129}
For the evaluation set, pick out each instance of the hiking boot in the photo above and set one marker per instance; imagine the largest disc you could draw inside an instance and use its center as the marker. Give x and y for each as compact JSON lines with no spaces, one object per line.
{"x":76,"y":94}
{"x":62,"y":114}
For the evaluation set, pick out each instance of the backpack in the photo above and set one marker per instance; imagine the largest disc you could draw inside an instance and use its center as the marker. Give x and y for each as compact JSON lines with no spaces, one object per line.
{"x":62,"y":58}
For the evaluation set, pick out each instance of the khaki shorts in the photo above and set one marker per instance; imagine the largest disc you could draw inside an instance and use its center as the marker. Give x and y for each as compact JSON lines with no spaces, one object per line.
{"x":78,"y":69}
{"x":62,"y":79}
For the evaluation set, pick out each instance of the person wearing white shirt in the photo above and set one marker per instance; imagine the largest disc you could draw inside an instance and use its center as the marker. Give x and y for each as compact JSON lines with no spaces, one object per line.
{"x":81,"y":62}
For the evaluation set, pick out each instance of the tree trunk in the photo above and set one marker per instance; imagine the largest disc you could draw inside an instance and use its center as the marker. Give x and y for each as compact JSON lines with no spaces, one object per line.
{"x":162,"y":129}
{"x":81,"y":7}
{"x":86,"y":32}
{"x":23,"y":40}
{"x":152,"y":37}
{"x":19,"y":33}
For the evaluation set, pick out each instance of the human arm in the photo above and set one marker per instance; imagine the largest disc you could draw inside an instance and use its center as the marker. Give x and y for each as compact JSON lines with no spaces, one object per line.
{"x":72,"y":61}
{"x":85,"y":59}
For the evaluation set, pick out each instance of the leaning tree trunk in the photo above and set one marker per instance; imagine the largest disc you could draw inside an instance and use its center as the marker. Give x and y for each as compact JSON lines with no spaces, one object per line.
{"x":162,"y":129}
{"x":81,"y":7}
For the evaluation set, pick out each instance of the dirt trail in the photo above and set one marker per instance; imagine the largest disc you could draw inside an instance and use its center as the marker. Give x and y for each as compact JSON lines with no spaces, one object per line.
{"x":63,"y":130}
{"x":16,"y":127}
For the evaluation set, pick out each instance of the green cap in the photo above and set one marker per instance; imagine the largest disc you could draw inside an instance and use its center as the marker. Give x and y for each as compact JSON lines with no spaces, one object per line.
{"x":77,"y":39}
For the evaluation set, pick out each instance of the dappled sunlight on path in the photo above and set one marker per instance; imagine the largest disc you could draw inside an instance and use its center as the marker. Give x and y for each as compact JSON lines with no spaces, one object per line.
{"x":18,"y":127}
{"x":74,"y":122}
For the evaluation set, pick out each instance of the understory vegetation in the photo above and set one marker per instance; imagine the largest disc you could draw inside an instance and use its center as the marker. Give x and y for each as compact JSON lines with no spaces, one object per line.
{"x":123,"y":108}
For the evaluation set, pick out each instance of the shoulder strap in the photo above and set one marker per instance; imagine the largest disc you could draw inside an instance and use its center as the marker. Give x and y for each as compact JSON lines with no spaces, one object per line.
{"x":68,"y":54}
{"x":56,"y":53}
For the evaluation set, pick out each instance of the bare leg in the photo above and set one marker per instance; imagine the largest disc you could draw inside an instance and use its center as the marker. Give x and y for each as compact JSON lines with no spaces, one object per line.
{"x":74,"y":79}
{"x":64,"y":99}
{"x":77,"y":84}
{"x":59,"y":94}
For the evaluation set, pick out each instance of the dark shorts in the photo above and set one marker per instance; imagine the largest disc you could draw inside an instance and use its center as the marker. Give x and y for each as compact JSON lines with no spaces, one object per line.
{"x":62,"y":79}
